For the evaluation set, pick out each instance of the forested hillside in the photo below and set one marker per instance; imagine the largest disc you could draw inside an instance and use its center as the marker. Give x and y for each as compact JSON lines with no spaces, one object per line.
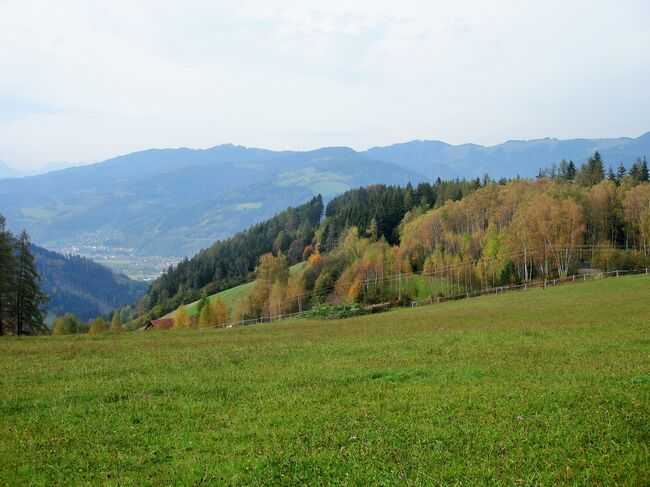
{"x":380,"y":209}
{"x":291,"y":233}
{"x":173,"y":202}
{"x":82,"y":287}
{"x":459,"y":235}
{"x":231,"y":262}
{"x":500,"y":234}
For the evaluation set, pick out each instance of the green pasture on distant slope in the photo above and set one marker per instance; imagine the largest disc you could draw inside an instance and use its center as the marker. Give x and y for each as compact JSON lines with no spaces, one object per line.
{"x":526,"y":388}
{"x":231,"y":297}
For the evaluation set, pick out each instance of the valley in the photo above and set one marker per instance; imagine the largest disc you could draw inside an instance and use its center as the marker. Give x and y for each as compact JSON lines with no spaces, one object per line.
{"x":122,"y":260}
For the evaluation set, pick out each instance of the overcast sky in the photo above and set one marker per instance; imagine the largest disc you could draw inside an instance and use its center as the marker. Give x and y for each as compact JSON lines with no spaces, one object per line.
{"x":82,"y":81}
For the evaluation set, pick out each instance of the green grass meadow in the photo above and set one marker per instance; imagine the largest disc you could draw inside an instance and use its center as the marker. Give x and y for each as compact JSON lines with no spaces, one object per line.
{"x":537,"y":387}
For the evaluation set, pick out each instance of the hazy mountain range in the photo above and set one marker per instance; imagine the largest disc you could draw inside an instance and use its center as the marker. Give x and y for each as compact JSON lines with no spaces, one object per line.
{"x":176,"y":201}
{"x":6,"y":171}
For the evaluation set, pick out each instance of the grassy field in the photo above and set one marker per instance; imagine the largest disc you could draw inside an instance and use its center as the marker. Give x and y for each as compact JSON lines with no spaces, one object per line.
{"x":534,"y":387}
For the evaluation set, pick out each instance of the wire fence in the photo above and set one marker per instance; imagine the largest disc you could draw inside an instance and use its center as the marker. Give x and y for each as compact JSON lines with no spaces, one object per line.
{"x":541,"y":283}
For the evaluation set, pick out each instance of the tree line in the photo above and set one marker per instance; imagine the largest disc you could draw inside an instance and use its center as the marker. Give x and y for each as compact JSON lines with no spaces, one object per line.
{"x":21,"y":299}
{"x":380,"y":208}
{"x":68,"y":324}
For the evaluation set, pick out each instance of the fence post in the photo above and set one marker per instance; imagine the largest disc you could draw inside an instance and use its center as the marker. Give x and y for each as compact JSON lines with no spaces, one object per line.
{"x":617,"y":273}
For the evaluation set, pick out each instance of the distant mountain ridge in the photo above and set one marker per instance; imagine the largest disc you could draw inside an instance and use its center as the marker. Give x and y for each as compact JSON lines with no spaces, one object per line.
{"x":509,"y":159}
{"x":7,"y":171}
{"x":176,"y":201}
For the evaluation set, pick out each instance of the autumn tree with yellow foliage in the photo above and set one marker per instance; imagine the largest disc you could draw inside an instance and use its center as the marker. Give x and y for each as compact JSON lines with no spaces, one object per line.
{"x":181,"y":318}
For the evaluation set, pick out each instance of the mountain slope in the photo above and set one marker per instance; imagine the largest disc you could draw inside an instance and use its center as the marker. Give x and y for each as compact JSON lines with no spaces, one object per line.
{"x":81,"y":286}
{"x":515,"y":157}
{"x":172,"y":202}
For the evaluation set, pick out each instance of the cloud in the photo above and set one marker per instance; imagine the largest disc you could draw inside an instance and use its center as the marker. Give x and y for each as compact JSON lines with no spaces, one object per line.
{"x":89,"y":80}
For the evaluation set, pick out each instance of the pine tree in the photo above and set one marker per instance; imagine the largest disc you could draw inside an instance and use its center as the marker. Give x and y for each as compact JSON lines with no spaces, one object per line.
{"x":593,"y":171}
{"x":116,"y":322}
{"x":611,"y":176}
{"x":644,"y":175}
{"x":29,"y":299}
{"x":620,"y":173}
{"x":635,"y":170}
{"x":564,"y":169}
{"x":7,"y":276}
{"x":571,"y":171}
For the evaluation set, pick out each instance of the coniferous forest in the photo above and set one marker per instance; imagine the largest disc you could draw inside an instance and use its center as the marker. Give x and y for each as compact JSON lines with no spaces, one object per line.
{"x":231,"y":262}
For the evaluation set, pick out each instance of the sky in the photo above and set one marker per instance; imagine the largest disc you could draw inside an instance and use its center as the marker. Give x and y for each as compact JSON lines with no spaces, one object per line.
{"x":84,"y":81}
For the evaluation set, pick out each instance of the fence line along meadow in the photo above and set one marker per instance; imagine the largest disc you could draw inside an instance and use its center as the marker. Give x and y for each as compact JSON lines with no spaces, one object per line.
{"x":542,"y":283}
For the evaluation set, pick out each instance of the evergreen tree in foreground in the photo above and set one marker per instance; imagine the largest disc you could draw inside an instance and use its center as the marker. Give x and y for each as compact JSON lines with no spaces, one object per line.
{"x":28,"y":312}
{"x":7,"y":275}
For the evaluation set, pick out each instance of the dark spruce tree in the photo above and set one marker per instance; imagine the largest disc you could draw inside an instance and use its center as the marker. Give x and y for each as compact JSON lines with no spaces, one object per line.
{"x":592,"y":172}
{"x":611,"y":175}
{"x":7,"y":275}
{"x":571,"y":171}
{"x":639,"y":170}
{"x":29,"y":300}
{"x":620,"y":173}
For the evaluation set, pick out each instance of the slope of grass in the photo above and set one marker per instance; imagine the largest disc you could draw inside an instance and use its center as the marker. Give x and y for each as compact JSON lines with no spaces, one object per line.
{"x":231,"y":297}
{"x":537,"y":387}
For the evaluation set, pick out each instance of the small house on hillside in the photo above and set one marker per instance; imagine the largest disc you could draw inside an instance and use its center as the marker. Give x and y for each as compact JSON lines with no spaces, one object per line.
{"x":162,"y":324}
